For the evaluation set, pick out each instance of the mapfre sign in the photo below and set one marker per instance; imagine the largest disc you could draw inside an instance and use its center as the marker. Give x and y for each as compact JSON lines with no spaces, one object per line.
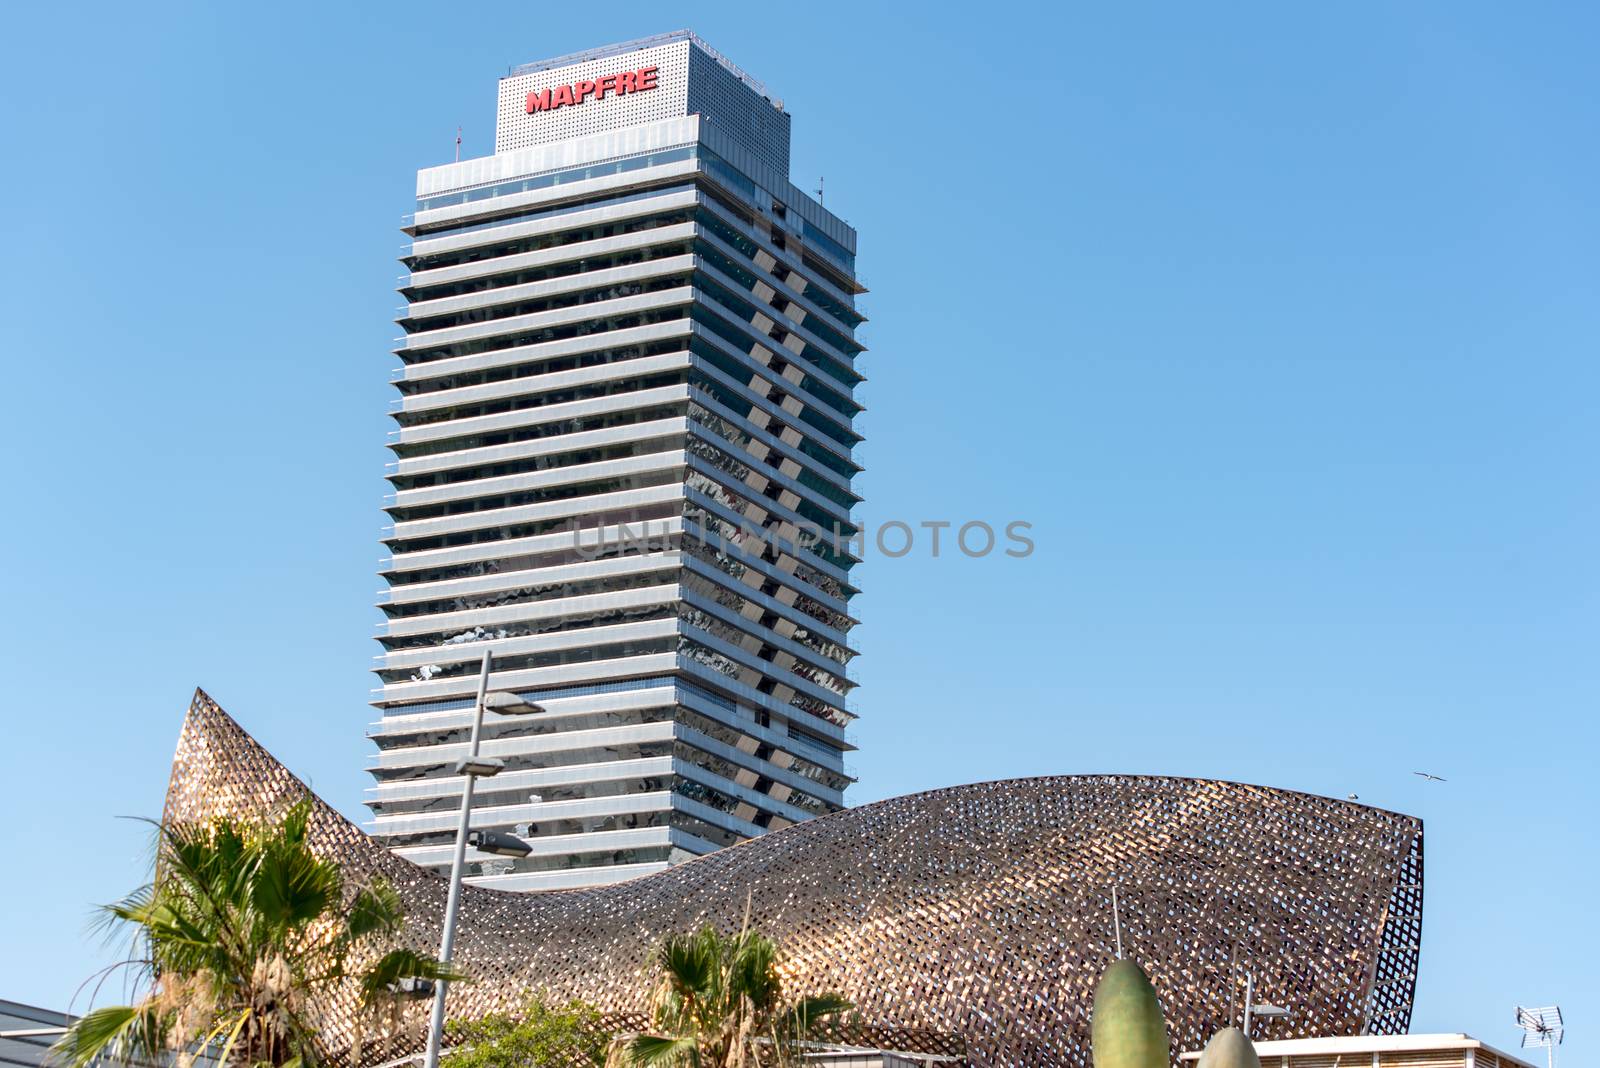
{"x":629,"y":81}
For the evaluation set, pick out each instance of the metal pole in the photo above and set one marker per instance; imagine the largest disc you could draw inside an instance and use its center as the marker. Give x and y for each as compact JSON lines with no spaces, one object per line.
{"x":447,"y":940}
{"x":1116,"y":921}
{"x":1233,"y":981}
{"x":1249,"y":994}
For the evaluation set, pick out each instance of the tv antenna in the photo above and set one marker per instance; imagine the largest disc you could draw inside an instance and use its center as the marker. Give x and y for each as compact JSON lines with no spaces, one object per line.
{"x":458,"y":144}
{"x":820,"y":183}
{"x":1542,"y":1027}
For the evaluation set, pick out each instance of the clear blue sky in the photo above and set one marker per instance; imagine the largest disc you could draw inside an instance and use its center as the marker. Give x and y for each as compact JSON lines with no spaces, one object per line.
{"x":1278,"y":322}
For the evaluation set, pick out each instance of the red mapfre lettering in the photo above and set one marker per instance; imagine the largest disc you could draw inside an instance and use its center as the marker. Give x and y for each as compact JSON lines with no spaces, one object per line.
{"x":629,"y":81}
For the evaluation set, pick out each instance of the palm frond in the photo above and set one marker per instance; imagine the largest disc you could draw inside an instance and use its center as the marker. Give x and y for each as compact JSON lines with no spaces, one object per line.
{"x":753,"y":969}
{"x":108,"y":917}
{"x":295,"y":820}
{"x":376,"y":909}
{"x":202,"y":871}
{"x":293,"y":886}
{"x":116,"y":1033}
{"x":166,"y":925}
{"x":689,"y":962}
{"x":810,"y":1011}
{"x":648,"y":1051}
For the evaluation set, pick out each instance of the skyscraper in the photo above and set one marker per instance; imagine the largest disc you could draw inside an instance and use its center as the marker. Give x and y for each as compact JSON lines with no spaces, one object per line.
{"x":623,"y":463}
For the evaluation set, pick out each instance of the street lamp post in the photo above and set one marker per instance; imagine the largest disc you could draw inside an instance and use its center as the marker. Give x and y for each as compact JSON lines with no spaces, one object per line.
{"x":471,"y":767}
{"x":1262,"y":1011}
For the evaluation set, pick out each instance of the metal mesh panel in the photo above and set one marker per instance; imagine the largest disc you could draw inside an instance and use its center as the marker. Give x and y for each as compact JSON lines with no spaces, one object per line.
{"x":750,"y":119}
{"x":972,"y":920}
{"x":515,"y":128}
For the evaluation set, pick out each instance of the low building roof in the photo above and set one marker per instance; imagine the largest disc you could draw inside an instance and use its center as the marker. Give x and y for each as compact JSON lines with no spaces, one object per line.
{"x":1374,"y":1044}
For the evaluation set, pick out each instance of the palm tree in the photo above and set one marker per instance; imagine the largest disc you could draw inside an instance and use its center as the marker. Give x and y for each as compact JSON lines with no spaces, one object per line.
{"x":242,"y":933}
{"x":720,"y":1004}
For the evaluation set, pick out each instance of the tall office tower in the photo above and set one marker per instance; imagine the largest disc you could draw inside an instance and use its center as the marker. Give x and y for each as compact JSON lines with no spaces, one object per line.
{"x":624,"y":419}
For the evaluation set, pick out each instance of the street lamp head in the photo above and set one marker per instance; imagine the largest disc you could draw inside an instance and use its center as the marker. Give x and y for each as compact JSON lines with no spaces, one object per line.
{"x":480,"y":767}
{"x":510,"y":704}
{"x":498,"y":843}
{"x":411,"y":986}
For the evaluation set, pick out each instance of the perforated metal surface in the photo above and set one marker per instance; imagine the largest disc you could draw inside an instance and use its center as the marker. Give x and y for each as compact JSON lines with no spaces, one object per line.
{"x":731,"y":106}
{"x":515,"y":128}
{"x":973,"y":920}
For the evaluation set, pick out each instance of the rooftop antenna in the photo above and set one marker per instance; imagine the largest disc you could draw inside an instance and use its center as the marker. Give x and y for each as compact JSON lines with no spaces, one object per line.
{"x":458,"y":144}
{"x":820,"y":182}
{"x":1542,"y":1027}
{"x":1116,"y":918}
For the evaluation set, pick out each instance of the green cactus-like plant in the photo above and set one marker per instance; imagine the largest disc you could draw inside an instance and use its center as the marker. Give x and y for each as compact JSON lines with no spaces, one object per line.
{"x":1229,"y":1048}
{"x":1128,"y":1029}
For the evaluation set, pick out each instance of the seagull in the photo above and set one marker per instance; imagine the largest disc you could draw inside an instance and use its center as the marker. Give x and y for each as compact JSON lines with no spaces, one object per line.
{"x":1430,"y":778}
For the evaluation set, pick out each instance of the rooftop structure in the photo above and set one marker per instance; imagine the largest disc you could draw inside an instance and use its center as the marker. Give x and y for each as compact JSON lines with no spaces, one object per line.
{"x":844,"y":1057}
{"x":1380,"y":1051}
{"x":26,"y":1033}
